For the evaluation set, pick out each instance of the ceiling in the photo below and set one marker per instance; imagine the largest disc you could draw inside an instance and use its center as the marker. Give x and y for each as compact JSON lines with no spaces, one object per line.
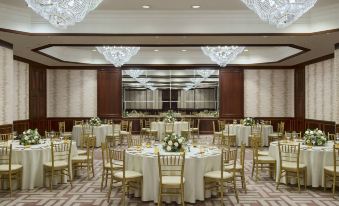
{"x":167,"y":4}
{"x":170,"y":27}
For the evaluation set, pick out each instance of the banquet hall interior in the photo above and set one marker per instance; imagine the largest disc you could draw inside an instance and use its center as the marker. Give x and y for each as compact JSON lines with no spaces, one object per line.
{"x":157,"y":102}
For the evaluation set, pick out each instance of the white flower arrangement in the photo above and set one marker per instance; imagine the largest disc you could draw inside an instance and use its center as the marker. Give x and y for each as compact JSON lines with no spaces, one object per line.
{"x":316,"y":137}
{"x":173,"y":143}
{"x":169,"y":118}
{"x":30,"y":137}
{"x":95,"y":121}
{"x":248,"y":121}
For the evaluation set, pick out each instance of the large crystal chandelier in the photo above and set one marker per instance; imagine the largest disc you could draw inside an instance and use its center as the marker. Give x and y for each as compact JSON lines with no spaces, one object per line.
{"x":63,"y":13}
{"x":118,"y":55}
{"x":222,"y":55}
{"x":281,"y":13}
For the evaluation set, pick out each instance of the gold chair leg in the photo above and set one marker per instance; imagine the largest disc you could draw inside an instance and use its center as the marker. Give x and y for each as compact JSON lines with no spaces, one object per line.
{"x":110,"y":190}
{"x":235,"y":190}
{"x":278,"y":179}
{"x":305,"y":178}
{"x":182,"y":196}
{"x":51,"y":180}
{"x":160,"y":196}
{"x":298,"y":179}
{"x":102,"y":179}
{"x":221,"y":188}
{"x":333,"y":189}
{"x":10,"y":183}
{"x":324,"y":181}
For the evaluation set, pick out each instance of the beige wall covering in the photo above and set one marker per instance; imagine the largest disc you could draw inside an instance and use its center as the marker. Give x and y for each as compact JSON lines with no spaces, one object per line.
{"x":71,"y":93}
{"x":336,"y":85}
{"x":136,"y":99}
{"x":21,"y":91}
{"x":269,"y":93}
{"x":320,"y":86}
{"x":6,"y":86}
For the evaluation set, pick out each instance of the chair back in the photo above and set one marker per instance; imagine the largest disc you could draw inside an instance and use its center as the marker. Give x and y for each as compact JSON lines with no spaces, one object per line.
{"x":78,"y":122}
{"x":221,"y":125}
{"x":124,"y":125}
{"x":52,"y":135}
{"x":331,"y":136}
{"x":228,"y":159}
{"x":104,"y":153}
{"x":281,"y":127}
{"x":116,"y":155}
{"x":112,"y":141}
{"x":185,"y":134}
{"x":136,"y":141}
{"x":147,"y":123}
{"x":141,"y":122}
{"x":83,"y":140}
{"x":267,"y":122}
{"x":335,"y":159}
{"x":90,"y":146}
{"x":169,"y":127}
{"x":6,"y":155}
{"x":130,"y":127}
{"x":256,"y":129}
{"x":289,"y":153}
{"x":62,"y":127}
{"x":242,"y":155}
{"x":255,"y":144}
{"x":255,"y":140}
{"x":61,"y":151}
{"x":171,"y":165}
{"x":6,"y":137}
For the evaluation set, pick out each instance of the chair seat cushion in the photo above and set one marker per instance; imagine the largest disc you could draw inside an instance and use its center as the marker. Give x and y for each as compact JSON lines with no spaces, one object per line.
{"x":128,"y":174}
{"x":275,"y":134}
{"x":217,"y":175}
{"x":145,"y":129}
{"x":172,"y":180}
{"x":230,"y":167}
{"x":292,"y":165}
{"x":266,"y":159}
{"x":217,"y":133}
{"x":116,"y":164}
{"x":81,"y":152}
{"x":331,"y":169}
{"x":124,"y":132}
{"x":80,"y":158}
{"x":230,"y":134}
{"x":263,"y":153}
{"x":5,"y":168}
{"x":194,"y":129}
{"x":56,"y":164}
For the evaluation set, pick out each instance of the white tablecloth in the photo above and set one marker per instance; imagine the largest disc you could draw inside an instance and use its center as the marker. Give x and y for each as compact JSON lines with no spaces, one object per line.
{"x":315,"y":159}
{"x":160,"y":127}
{"x":242,"y":132}
{"x":100,"y":133}
{"x":196,"y":166}
{"x":32,"y":160}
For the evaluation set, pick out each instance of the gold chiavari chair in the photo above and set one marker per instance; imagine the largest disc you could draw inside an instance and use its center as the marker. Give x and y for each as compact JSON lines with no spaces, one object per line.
{"x":332,"y":172}
{"x":266,"y":122}
{"x":85,"y":161}
{"x":134,"y":141}
{"x":276,"y":136}
{"x":217,"y":179}
{"x":78,"y":122}
{"x":231,"y":138}
{"x":194,"y":128}
{"x":256,"y":133}
{"x":151,"y":133}
{"x":171,"y":176}
{"x":62,"y":130}
{"x":112,"y":141}
{"x":289,"y":162}
{"x":128,"y":178}
{"x":240,"y":167}
{"x":7,"y":169}
{"x":186,"y":134}
{"x":60,"y":164}
{"x":331,"y":137}
{"x":6,"y":137}
{"x":125,"y":130}
{"x":169,"y":128}
{"x":143,"y":130}
{"x":217,"y":135}
{"x":265,"y":161}
{"x":292,"y":135}
{"x":83,"y":141}
{"x":52,"y":135}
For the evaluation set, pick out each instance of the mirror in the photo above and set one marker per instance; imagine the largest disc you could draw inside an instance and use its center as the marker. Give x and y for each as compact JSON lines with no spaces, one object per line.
{"x":184,"y":91}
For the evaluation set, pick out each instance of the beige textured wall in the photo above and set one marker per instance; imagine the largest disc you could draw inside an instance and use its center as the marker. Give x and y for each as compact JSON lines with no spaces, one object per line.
{"x":269,"y":93}
{"x":6,"y":86}
{"x":71,"y":93}
{"x":320,"y":86}
{"x":21,"y":91}
{"x":336,"y":85}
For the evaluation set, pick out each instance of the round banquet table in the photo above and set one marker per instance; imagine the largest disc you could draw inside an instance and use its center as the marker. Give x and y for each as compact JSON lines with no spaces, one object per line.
{"x":100,"y":133}
{"x":160,"y":127}
{"x":315,"y":158}
{"x":32,"y":160}
{"x":243,"y":132}
{"x":196,"y":165}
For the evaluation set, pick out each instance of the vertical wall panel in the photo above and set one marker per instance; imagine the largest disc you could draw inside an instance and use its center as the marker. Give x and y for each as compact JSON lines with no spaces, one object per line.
{"x":21,"y":90}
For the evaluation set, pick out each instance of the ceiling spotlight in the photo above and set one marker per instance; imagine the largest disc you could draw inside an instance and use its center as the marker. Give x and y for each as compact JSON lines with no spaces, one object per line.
{"x":195,"y":6}
{"x":156,"y":50}
{"x":146,"y":6}
{"x":245,"y":50}
{"x":94,"y":50}
{"x":184,"y":50}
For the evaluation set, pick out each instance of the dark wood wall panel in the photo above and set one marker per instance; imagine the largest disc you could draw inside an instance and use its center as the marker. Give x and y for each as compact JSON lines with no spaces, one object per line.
{"x":6,"y":128}
{"x":299,"y":98}
{"x":37,"y":97}
{"x":231,"y":86}
{"x":325,"y":126}
{"x":53,"y":123}
{"x":20,"y":126}
{"x":109,"y":93}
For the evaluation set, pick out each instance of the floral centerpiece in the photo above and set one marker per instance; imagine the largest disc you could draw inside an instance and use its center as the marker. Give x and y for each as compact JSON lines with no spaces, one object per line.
{"x":95,"y":121}
{"x":315,"y":137}
{"x":30,"y":137}
{"x":173,"y":142}
{"x":169,"y":117}
{"x":248,"y":121}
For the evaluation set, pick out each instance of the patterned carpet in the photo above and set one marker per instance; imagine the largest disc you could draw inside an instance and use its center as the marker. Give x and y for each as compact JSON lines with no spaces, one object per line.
{"x":87,"y":192}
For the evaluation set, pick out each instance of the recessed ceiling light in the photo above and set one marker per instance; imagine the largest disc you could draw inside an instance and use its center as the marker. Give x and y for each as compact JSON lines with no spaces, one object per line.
{"x":195,"y":6}
{"x":245,"y":50}
{"x":146,"y":6}
{"x":184,"y":50}
{"x":156,"y":50}
{"x":93,"y":50}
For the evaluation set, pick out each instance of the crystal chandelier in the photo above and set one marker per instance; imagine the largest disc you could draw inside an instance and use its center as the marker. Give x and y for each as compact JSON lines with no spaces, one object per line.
{"x":134,"y":73}
{"x":222,"y":55}
{"x":118,"y":55}
{"x":63,"y":13}
{"x":205,"y":73}
{"x":281,"y":13}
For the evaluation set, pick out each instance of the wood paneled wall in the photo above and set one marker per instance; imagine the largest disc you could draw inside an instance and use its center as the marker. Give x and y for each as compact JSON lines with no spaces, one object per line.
{"x":299,"y":98}
{"x":231,"y":86}
{"x":109,"y":93}
{"x":37,"y":97}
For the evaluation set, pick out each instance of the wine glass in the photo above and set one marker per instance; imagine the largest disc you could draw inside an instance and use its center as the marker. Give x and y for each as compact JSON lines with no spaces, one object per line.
{"x":313,"y":142}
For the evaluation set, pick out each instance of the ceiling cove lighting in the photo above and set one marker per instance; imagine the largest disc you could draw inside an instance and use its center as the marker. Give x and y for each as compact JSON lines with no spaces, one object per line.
{"x":280,"y":13}
{"x":118,"y":55}
{"x":222,"y":55}
{"x":63,"y":13}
